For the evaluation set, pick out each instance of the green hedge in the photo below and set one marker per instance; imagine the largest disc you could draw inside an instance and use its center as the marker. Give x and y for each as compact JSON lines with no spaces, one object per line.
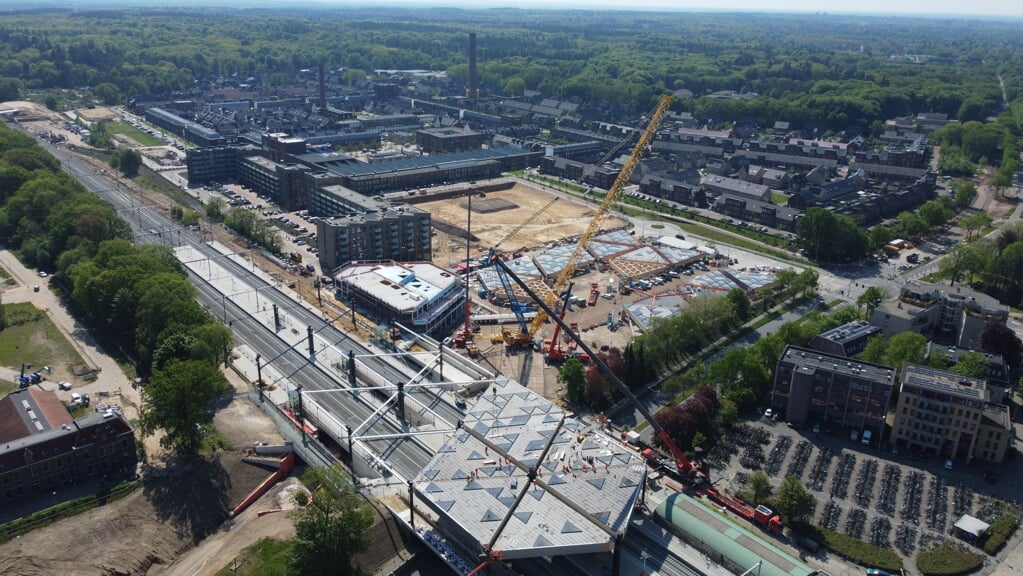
{"x":1000,"y":531}
{"x":947,"y":560}
{"x":858,"y":551}
{"x":65,"y":509}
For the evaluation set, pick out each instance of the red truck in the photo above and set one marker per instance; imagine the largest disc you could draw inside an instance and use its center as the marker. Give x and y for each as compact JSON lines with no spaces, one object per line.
{"x":761,"y":515}
{"x":594,"y":294}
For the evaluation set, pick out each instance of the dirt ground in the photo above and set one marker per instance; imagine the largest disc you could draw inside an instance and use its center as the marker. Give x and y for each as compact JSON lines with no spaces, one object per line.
{"x":563,"y":219}
{"x":31,"y":110}
{"x":177,"y":507}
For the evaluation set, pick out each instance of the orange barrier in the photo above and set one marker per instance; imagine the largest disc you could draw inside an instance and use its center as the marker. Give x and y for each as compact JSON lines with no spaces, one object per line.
{"x":286,"y":465}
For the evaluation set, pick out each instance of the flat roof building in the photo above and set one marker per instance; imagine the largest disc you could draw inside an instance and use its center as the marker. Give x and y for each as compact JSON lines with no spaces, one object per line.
{"x":419,"y":295}
{"x":949,"y":415}
{"x":812,"y":386}
{"x":441,"y":140}
{"x":391,"y":232}
{"x":949,"y":315}
{"x":846,"y":340}
{"x":738,"y":188}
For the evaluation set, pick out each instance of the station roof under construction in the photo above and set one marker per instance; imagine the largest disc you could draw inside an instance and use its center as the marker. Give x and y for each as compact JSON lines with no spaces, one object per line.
{"x":583,"y":495}
{"x":524,"y":268}
{"x":553,"y":260}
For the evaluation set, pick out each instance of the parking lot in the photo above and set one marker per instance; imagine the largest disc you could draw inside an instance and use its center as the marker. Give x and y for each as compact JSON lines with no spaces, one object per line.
{"x":297,"y":229}
{"x":880,"y":497}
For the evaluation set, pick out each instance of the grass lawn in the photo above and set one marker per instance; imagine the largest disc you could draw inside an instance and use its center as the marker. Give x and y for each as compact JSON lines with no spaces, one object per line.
{"x":7,"y":387}
{"x":779,"y":198}
{"x":267,"y":557}
{"x":32,"y":338}
{"x":7,"y":277}
{"x":133,"y":133}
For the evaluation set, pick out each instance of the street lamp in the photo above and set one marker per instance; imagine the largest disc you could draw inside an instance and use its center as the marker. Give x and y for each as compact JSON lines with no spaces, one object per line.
{"x":643,"y":556}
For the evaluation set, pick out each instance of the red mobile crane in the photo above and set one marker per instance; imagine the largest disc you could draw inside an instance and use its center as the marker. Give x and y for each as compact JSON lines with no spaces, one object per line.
{"x":761,"y":515}
{"x":555,"y":353}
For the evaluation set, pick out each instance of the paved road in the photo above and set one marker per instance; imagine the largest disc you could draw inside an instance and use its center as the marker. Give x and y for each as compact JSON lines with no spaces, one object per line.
{"x":111,"y":378}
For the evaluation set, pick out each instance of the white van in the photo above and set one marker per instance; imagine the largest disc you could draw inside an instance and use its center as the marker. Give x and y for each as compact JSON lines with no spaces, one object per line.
{"x":865,"y":438}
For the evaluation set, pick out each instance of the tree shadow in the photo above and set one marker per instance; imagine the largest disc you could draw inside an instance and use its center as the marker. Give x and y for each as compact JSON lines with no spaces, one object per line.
{"x":192,"y":497}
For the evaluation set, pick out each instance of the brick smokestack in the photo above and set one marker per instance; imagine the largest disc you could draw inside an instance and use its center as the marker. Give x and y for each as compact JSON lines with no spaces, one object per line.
{"x":473,"y":91}
{"x":323,"y":89}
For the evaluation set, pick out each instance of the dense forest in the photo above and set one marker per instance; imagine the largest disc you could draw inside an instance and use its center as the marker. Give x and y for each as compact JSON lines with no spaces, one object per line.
{"x":836,"y":70}
{"x":137,"y":296}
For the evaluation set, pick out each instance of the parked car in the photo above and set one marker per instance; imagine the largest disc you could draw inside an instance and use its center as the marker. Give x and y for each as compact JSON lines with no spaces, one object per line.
{"x":64,"y":385}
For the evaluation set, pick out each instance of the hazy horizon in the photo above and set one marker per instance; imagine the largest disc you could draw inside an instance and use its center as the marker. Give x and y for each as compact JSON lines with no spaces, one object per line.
{"x":980,"y":9}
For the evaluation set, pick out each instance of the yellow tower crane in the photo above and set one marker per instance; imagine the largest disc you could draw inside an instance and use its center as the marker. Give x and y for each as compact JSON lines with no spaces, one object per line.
{"x":613,"y":194}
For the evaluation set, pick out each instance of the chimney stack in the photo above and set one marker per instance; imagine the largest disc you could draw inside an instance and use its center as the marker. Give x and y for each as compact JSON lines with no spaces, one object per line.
{"x":323,"y":89}
{"x":473,"y":91}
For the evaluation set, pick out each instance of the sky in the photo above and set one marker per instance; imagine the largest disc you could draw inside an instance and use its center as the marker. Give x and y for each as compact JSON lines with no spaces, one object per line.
{"x":976,"y":8}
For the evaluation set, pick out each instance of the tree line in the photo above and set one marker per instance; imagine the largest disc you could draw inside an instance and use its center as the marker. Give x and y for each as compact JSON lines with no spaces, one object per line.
{"x":135,"y":298}
{"x":803,"y":68}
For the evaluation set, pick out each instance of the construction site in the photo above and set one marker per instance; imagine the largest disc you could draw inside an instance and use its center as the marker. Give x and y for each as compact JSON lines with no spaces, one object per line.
{"x":609,"y":283}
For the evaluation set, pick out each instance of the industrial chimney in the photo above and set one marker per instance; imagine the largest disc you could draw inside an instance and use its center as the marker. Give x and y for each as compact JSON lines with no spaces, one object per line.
{"x":473,"y":91}
{"x":323,"y":89}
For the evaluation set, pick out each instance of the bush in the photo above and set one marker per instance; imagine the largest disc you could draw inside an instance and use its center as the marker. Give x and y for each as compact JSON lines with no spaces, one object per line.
{"x":1000,"y":531}
{"x":946,"y":560}
{"x":851,"y":549}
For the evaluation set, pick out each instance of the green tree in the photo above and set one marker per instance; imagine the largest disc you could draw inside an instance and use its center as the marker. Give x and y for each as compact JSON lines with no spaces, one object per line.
{"x":572,"y":376}
{"x":700,"y":441}
{"x":759,"y":487}
{"x":912,"y":225}
{"x":215,"y":209}
{"x":874,"y":351}
{"x":179,"y":401}
{"x":831,"y":237}
{"x":127,"y":161}
{"x":974,"y":222}
{"x":354,"y":76}
{"x":880,"y":235}
{"x":107,"y":93}
{"x":961,"y":260}
{"x":807,"y":282}
{"x":966,"y":193}
{"x":973,"y":364}
{"x":332,"y":529}
{"x":10,"y":89}
{"x":905,"y":347}
{"x":515,"y":86}
{"x":728,"y":414}
{"x":793,"y":501}
{"x":740,"y":303}
{"x":939,"y":359}
{"x":934,"y":213}
{"x":786,"y":278}
{"x":871,"y":298}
